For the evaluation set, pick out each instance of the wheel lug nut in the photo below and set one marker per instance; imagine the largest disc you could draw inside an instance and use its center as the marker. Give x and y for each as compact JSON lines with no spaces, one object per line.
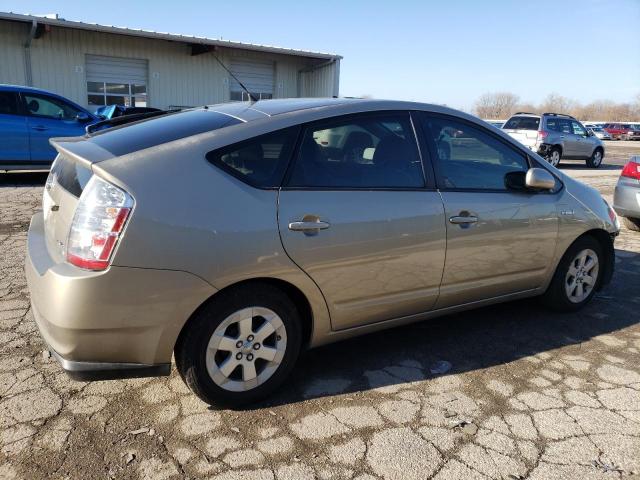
{"x":256,"y":346}
{"x":239,"y":344}
{"x":238,"y":356}
{"x":278,"y":337}
{"x":250,"y":338}
{"x":250,"y":357}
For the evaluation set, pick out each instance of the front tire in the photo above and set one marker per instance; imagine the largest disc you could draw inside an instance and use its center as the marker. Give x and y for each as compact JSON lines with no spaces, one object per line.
{"x":596,"y":158}
{"x":577,"y":277}
{"x":631,"y":223}
{"x":241,"y":346}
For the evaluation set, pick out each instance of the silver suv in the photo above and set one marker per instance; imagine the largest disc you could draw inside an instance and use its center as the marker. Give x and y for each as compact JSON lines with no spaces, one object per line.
{"x":555,"y":136}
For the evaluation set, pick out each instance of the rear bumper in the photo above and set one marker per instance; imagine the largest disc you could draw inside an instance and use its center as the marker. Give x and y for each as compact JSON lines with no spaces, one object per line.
{"x":626,"y":198}
{"x":88,"y":371}
{"x":117,"y":323}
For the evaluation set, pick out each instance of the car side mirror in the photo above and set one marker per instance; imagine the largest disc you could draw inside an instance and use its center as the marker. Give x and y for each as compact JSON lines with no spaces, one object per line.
{"x":539,"y":179}
{"x":82,"y":117}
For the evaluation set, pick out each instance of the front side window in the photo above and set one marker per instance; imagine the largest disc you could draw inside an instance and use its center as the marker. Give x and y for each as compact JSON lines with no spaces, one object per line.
{"x":578,"y":129}
{"x":49,"y":107}
{"x":362,"y":152}
{"x":470,"y":158}
{"x":126,"y":94}
{"x":260,"y":161}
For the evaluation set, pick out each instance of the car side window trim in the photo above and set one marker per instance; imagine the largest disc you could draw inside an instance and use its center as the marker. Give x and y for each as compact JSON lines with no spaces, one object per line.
{"x":429,"y":180}
{"x":430,"y":146}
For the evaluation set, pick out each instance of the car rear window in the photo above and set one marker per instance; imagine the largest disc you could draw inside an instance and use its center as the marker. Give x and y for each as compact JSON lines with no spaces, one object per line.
{"x":70,"y":175}
{"x":155,"y":131}
{"x":522,"y":123}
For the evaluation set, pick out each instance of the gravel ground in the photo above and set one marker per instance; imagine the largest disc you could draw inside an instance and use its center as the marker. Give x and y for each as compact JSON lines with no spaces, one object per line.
{"x":530,"y":394}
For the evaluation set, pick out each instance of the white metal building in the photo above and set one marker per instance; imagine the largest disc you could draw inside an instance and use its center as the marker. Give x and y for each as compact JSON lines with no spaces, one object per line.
{"x":96,"y":65}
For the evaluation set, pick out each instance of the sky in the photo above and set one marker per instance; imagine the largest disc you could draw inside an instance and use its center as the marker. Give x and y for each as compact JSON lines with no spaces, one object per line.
{"x":447,"y":52}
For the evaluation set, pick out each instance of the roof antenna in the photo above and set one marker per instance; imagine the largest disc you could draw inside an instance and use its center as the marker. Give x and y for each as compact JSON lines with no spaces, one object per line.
{"x":246,"y":90}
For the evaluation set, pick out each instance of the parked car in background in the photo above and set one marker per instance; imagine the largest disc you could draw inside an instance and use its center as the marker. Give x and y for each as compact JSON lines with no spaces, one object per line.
{"x":620,"y":131}
{"x":496,"y":123}
{"x":113,"y":111}
{"x":599,"y":132}
{"x":626,"y":198}
{"x":634,"y":133}
{"x":253,"y":236}
{"x":28,"y":118}
{"x":555,"y":136}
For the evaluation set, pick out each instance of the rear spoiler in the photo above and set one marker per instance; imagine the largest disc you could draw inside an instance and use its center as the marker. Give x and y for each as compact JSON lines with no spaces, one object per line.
{"x":84,"y":153}
{"x":123,"y":120}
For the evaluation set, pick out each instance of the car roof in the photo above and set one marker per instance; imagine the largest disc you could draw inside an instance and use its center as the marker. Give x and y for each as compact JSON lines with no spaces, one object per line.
{"x":22,"y":88}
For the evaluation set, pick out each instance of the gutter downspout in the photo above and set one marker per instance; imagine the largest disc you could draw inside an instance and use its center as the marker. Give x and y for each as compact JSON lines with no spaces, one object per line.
{"x":28,"y":75}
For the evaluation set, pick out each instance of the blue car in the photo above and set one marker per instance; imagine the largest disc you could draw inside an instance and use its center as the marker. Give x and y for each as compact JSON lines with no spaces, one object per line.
{"x":28,"y":118}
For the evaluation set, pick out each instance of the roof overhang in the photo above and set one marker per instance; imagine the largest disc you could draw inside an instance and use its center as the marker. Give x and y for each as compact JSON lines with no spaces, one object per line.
{"x":172,"y":37}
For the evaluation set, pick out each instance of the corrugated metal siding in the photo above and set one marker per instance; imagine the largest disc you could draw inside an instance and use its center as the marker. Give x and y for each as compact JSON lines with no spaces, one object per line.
{"x":175,"y":76}
{"x":321,"y":81}
{"x":12,"y":38}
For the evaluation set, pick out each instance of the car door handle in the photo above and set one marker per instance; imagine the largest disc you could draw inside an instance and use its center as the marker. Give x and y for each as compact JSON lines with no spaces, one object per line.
{"x":460,"y":220}
{"x":40,"y":128}
{"x":308,"y":226}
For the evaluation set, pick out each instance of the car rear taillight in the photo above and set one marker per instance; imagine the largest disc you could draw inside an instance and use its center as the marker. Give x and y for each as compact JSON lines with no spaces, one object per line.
{"x":542,"y":134}
{"x":99,"y":220}
{"x":631,"y":170}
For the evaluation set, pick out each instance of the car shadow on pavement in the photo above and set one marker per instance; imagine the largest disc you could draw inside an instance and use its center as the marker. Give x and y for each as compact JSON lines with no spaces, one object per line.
{"x":469,"y":341}
{"x":23,"y":179}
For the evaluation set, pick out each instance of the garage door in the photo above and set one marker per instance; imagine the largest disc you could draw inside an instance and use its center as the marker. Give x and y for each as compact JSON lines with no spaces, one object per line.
{"x":114,"y":80}
{"x":257,"y":76}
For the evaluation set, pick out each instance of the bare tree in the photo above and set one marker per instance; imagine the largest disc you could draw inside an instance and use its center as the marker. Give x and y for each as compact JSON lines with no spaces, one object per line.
{"x":498,"y":105}
{"x":503,"y":104}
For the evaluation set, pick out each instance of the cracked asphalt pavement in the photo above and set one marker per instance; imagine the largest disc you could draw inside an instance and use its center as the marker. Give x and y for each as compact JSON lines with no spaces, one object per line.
{"x":530,"y":394}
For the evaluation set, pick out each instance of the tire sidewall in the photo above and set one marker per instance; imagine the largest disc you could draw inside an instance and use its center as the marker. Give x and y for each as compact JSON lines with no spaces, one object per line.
{"x":209,"y":318}
{"x":556,"y":295}
{"x":591,"y":160}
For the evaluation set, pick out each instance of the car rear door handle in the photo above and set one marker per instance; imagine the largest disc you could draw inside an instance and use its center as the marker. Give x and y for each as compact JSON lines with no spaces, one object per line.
{"x":463,"y":220}
{"x":40,"y":128}
{"x":308,"y":226}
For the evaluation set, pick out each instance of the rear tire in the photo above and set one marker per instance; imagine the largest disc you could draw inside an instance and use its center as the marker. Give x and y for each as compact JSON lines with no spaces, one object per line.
{"x":631,"y":223}
{"x":218,"y":360}
{"x":596,"y":158}
{"x":577,"y":276}
{"x":554,"y":156}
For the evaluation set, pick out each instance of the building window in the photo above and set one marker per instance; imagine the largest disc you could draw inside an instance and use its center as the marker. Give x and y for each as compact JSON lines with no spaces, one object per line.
{"x":242,"y":96}
{"x":106,"y":93}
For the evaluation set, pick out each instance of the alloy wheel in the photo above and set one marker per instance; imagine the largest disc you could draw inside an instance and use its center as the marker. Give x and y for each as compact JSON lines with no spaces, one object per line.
{"x":597,"y":158}
{"x":246,"y":349}
{"x":581,"y":276}
{"x":554,"y":158}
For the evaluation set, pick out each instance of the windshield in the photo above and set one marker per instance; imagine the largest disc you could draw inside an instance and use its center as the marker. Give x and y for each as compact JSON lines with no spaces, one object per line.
{"x":522,"y":123}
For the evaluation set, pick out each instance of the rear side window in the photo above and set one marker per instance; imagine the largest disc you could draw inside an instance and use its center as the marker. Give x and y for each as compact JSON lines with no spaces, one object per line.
{"x":70,"y":175}
{"x":523,"y":123}
{"x":8,"y":103}
{"x":260,"y":161}
{"x":362,"y":152}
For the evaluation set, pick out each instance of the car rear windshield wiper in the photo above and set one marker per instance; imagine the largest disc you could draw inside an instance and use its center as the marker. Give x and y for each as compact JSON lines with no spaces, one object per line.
{"x":117,"y":121}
